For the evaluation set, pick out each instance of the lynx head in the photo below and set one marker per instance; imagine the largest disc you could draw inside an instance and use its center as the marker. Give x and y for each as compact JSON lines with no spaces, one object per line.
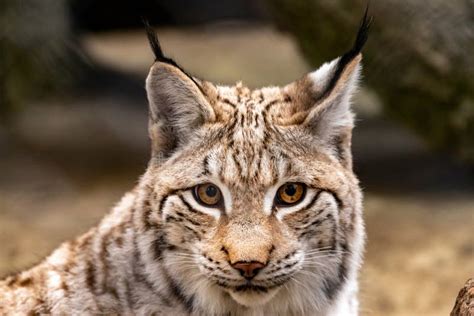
{"x":251,"y":200}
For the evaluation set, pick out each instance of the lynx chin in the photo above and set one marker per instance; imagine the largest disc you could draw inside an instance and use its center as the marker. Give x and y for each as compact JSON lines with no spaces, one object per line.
{"x":249,"y":206}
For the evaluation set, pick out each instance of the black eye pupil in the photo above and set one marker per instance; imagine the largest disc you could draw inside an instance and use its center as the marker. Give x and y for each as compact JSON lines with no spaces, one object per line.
{"x":290,"y":190}
{"x":211,"y":191}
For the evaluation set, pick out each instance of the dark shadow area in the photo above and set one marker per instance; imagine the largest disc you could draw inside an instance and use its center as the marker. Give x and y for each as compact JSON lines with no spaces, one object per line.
{"x":390,"y":159}
{"x":89,"y":15}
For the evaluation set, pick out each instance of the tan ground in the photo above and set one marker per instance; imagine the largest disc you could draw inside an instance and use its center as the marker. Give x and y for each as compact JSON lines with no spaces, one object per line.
{"x":420,"y":242}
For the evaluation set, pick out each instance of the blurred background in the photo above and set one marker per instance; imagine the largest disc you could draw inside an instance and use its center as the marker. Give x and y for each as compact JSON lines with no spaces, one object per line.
{"x":73,"y":119}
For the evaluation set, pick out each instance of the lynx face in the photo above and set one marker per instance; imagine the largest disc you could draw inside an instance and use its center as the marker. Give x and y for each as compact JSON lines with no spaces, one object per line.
{"x":251,"y":192}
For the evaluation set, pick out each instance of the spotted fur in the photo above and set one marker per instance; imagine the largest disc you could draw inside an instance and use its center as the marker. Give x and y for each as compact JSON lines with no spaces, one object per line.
{"x":160,"y":252}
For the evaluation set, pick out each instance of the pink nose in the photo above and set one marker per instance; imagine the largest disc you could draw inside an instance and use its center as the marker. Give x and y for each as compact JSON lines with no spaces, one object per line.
{"x":248,"y":269}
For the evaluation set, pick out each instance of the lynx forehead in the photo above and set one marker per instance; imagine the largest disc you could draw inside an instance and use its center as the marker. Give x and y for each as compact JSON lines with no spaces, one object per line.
{"x":249,"y":206}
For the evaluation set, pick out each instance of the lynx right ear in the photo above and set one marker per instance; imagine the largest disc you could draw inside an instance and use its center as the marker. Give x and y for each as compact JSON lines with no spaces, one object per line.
{"x":179,"y":104}
{"x":321,"y":99}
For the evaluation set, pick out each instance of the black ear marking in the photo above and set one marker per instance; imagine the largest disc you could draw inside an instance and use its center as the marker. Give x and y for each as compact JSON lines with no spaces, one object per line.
{"x":155,"y":45}
{"x":158,"y":52}
{"x":361,"y":39}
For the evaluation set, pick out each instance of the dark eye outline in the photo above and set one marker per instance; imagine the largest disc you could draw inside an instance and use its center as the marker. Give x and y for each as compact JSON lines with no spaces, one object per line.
{"x":281,"y":203}
{"x":218,"y":204}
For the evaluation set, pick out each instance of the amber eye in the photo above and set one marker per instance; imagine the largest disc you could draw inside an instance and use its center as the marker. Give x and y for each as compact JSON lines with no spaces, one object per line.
{"x":207,"y":194}
{"x":290,"y":193}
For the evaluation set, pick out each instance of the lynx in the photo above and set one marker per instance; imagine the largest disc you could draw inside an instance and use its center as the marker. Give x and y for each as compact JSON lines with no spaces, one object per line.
{"x":249,"y":206}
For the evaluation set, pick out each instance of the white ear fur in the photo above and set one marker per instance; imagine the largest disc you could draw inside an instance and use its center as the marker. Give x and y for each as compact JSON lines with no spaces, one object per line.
{"x":177,"y":106}
{"x":333,"y":111}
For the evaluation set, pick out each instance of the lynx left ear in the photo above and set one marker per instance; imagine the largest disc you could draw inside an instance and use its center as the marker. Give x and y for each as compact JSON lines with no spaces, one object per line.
{"x":179,"y":103}
{"x":321,"y":99}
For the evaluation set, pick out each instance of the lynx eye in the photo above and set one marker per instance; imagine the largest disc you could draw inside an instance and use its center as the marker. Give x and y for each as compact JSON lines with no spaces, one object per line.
{"x":207,"y":194}
{"x":290,"y":193}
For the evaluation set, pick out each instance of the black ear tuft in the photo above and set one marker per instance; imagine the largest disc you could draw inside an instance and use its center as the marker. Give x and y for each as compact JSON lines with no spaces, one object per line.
{"x":158,"y":52}
{"x":155,"y":45}
{"x":362,"y":36}
{"x":361,"y":39}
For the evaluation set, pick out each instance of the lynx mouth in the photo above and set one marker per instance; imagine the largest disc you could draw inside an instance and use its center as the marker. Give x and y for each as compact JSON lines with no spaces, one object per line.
{"x":253,"y":286}
{"x":250,"y":287}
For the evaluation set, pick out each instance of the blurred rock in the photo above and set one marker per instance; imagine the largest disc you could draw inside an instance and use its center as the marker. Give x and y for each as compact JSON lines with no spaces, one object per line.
{"x":39,"y":52}
{"x":418,"y":58}
{"x":464,"y":305}
{"x":91,"y":132}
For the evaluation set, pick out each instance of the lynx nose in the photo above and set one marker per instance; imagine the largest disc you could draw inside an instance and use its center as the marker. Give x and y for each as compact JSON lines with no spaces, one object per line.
{"x":248,"y":269}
